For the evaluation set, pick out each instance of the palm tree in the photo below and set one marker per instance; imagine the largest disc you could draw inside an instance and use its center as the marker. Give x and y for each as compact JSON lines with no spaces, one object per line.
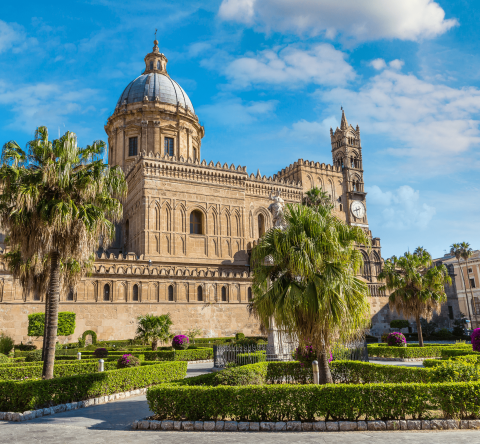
{"x":467,"y":253}
{"x":417,"y":288}
{"x":308,"y":282}
{"x":58,"y":200}
{"x":154,"y":328}
{"x":457,"y":251}
{"x":316,"y":197}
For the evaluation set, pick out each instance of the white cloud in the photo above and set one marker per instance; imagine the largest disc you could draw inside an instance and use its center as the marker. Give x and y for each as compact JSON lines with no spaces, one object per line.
{"x":233,"y":111}
{"x":357,"y":19}
{"x":13,"y":37}
{"x":291,"y":67}
{"x":396,"y":64}
{"x":401,"y":208}
{"x":434,"y":124}
{"x":378,"y":64}
{"x":50,"y":104}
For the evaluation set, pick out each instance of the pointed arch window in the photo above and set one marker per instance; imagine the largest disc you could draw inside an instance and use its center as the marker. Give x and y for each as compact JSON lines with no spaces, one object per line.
{"x":170,"y":293}
{"x":106,"y":292}
{"x":196,"y":226}
{"x":135,"y":292}
{"x":199,"y":293}
{"x":224,"y":294}
{"x":261,"y":225}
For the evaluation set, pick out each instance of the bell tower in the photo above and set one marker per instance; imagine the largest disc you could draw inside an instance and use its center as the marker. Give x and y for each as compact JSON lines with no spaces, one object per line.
{"x":347,"y":155}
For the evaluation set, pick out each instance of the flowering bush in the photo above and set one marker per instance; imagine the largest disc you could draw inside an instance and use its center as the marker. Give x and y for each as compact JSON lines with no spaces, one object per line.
{"x":384,"y":338}
{"x":396,"y":339}
{"x":180,"y":342}
{"x":100,"y":353}
{"x":127,"y":361}
{"x":476,"y":339}
{"x":307,"y":355}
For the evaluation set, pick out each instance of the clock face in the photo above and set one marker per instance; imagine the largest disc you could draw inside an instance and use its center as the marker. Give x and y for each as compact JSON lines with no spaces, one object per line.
{"x":358,"y":209}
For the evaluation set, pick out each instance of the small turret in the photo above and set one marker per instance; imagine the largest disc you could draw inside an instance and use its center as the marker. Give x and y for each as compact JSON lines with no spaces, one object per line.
{"x":155,"y":61}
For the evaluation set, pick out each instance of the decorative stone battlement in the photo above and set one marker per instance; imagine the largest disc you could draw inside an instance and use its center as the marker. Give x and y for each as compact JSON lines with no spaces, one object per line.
{"x":307,"y":163}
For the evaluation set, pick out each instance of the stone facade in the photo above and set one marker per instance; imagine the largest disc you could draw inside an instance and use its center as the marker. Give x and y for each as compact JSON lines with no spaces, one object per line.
{"x":189,"y":225}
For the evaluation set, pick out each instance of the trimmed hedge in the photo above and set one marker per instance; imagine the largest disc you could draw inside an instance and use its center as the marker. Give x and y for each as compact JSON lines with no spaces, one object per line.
{"x":29,"y":395}
{"x":450,"y":353}
{"x":66,"y":324}
{"x":407,"y":352}
{"x":310,"y":402}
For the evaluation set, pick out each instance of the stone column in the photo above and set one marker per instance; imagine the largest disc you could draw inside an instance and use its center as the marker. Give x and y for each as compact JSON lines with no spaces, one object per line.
{"x":120,"y":148}
{"x":144,"y":136}
{"x":156,"y":138}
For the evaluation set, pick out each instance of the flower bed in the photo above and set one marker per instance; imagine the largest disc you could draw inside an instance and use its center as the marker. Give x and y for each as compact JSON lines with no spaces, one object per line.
{"x":21,"y":396}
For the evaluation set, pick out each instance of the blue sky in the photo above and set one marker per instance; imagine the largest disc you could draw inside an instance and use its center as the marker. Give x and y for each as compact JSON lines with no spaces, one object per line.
{"x":267,"y":79}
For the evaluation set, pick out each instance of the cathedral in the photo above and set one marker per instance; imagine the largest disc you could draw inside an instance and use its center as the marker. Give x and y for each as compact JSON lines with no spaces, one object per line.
{"x":189,"y":225}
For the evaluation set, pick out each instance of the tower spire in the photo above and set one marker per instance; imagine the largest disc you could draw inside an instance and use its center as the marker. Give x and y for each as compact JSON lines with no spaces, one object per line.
{"x":344,"y":124}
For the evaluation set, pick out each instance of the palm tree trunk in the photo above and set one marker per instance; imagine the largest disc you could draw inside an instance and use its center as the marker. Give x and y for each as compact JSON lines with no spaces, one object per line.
{"x":325,"y":377}
{"x":45,"y":326}
{"x":419,"y":330}
{"x":465,"y":286}
{"x":53,"y":300}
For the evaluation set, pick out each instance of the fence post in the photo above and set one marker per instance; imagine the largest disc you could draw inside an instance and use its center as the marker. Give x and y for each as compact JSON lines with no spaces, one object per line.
{"x":100,"y":365}
{"x":316,"y":372}
{"x":79,"y":356}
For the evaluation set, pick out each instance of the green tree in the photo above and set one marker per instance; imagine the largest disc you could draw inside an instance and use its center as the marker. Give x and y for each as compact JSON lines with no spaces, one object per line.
{"x":417,"y":288}
{"x":154,"y":328}
{"x":316,"y":197}
{"x":305,"y":280}
{"x":457,"y":250}
{"x":57,"y":201}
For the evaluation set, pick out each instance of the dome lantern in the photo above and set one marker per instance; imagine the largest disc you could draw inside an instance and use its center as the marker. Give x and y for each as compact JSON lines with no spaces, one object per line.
{"x":156,"y":61}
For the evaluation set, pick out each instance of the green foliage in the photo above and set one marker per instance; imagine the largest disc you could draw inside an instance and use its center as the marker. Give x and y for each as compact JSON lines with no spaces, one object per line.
{"x":25,"y":347}
{"x":384,"y":338}
{"x":4,"y":359}
{"x":428,"y":328}
{"x":450,"y":352}
{"x":66,"y":324}
{"x":310,"y":287}
{"x":285,"y":402}
{"x":417,"y":288}
{"x":412,"y":352}
{"x":316,"y":198}
{"x":153,"y":328}
{"x":33,"y":356}
{"x":444,"y":333}
{"x":246,"y":375}
{"x":239,"y":336}
{"x":451,"y":371}
{"x":127,"y":361}
{"x":29,"y":395}
{"x":92,"y":334}
{"x":399,"y":323}
{"x":100,"y":353}
{"x":193,"y":333}
{"x":6,"y":344}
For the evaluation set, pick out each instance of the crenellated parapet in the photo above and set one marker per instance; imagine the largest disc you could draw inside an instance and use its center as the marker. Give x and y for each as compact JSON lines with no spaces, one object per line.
{"x":321,"y":167}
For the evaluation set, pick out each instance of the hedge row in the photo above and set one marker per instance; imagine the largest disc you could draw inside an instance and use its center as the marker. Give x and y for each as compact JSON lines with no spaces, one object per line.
{"x":195,"y":354}
{"x":430,"y":345}
{"x":450,"y":353}
{"x":412,"y":352}
{"x":18,"y":396}
{"x":310,"y":402}
{"x":57,"y":362}
{"x":59,"y":370}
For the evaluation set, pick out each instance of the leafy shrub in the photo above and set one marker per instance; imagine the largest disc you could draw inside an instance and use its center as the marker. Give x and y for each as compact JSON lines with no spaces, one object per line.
{"x":396,"y":339}
{"x":399,"y":323}
{"x":450,"y":352}
{"x":100,"y":353}
{"x":127,"y":361}
{"x":4,"y":359}
{"x":455,"y":371}
{"x":411,"y":352}
{"x":66,"y":324}
{"x":306,"y":355}
{"x":180,"y":342}
{"x":25,"y":347}
{"x":18,"y":396}
{"x":239,"y":336}
{"x":476,"y":340}
{"x":444,"y":333}
{"x":384,"y":338}
{"x":247,"y":375}
{"x":92,"y":334}
{"x":6,"y":344}
{"x":35,"y":355}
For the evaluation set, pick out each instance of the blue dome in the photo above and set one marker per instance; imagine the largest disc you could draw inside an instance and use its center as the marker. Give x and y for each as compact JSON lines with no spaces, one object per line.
{"x":155,"y":85}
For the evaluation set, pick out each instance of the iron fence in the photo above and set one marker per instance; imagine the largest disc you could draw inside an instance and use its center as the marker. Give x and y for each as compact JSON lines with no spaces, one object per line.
{"x":250,"y":354}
